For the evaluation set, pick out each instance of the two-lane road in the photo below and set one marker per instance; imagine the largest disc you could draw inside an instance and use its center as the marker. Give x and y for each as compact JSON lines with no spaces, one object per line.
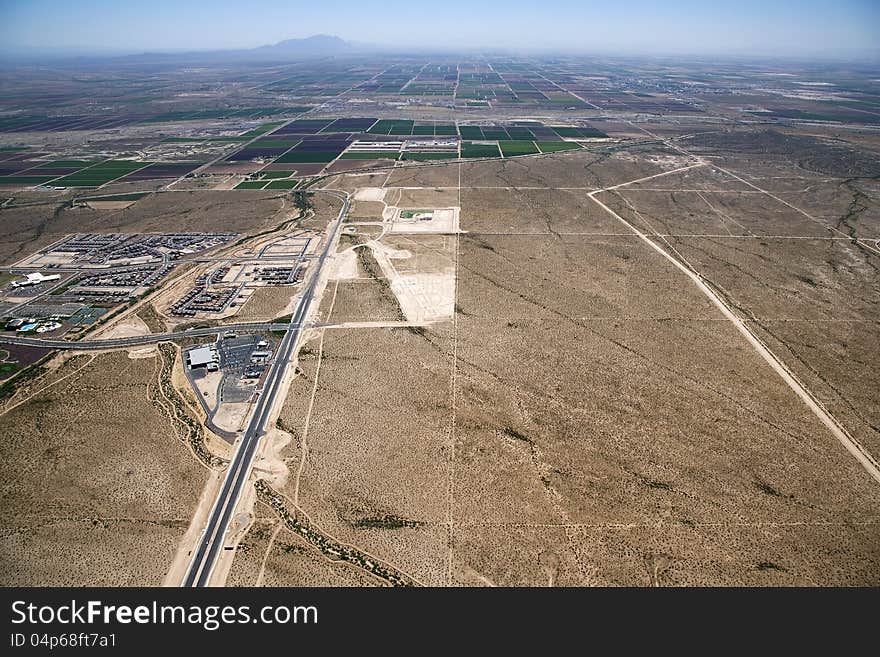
{"x":212,"y":538}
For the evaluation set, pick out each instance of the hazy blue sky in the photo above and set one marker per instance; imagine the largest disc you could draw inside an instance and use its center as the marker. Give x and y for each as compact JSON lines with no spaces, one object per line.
{"x":788,"y":27}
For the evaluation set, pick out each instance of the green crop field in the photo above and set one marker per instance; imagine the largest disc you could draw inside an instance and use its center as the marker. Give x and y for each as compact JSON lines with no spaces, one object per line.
{"x":402,"y":128}
{"x":134,"y":196}
{"x":100,"y":174}
{"x":509,"y":148}
{"x":495,"y":133}
{"x":251,"y":184}
{"x":392,"y":127}
{"x":282,"y":184}
{"x":470,"y":132}
{"x":520,"y":133}
{"x":469,"y":149}
{"x":556,"y":146}
{"x":577,"y":133}
{"x":418,"y":157}
{"x":23,"y":180}
{"x":563,"y":131}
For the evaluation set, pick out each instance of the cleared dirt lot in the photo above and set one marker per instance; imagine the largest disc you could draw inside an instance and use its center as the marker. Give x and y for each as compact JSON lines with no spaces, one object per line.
{"x":267,"y":303}
{"x":90,"y":498}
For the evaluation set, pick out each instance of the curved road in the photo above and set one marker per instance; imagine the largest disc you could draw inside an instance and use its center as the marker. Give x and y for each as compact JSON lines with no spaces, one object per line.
{"x":133,"y":341}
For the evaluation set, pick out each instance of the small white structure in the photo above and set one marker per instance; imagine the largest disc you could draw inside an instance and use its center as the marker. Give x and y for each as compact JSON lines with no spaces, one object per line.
{"x":35,"y":279}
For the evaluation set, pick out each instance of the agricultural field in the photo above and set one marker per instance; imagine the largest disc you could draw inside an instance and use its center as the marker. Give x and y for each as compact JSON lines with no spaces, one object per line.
{"x":478,"y":149}
{"x":300,"y":146}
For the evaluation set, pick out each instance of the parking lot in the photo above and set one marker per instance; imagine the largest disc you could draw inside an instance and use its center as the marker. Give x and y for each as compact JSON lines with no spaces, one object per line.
{"x":235,"y":361}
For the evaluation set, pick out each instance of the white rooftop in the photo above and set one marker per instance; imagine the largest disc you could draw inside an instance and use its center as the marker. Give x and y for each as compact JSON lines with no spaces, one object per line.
{"x":202,"y":356}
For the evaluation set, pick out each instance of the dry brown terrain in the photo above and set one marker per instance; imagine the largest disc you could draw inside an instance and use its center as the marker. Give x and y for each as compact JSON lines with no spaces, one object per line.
{"x":23,"y":230}
{"x":818,"y":311}
{"x":271,"y":555}
{"x":366,"y":211}
{"x":364,"y":300}
{"x":589,"y":417}
{"x":372,"y":477}
{"x":579,"y":169}
{"x":266,"y":303}
{"x":368,"y":297}
{"x":533,"y":211}
{"x":648,"y":359}
{"x":586,"y":417}
{"x":442,"y":175}
{"x":349,"y":183}
{"x":89,"y":496}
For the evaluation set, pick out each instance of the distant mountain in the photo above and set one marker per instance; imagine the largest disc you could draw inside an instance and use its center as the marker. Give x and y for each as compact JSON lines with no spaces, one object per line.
{"x":319,"y":45}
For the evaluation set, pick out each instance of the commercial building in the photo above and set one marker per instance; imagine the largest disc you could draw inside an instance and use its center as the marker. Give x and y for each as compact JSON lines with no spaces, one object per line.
{"x":204,"y":356}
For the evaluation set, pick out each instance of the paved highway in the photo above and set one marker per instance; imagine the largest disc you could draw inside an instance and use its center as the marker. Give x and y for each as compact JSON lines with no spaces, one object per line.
{"x":212,"y":538}
{"x":151,"y":338}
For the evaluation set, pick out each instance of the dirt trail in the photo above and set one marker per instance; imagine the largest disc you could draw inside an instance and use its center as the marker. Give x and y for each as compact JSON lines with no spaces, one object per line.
{"x":871,"y":466}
